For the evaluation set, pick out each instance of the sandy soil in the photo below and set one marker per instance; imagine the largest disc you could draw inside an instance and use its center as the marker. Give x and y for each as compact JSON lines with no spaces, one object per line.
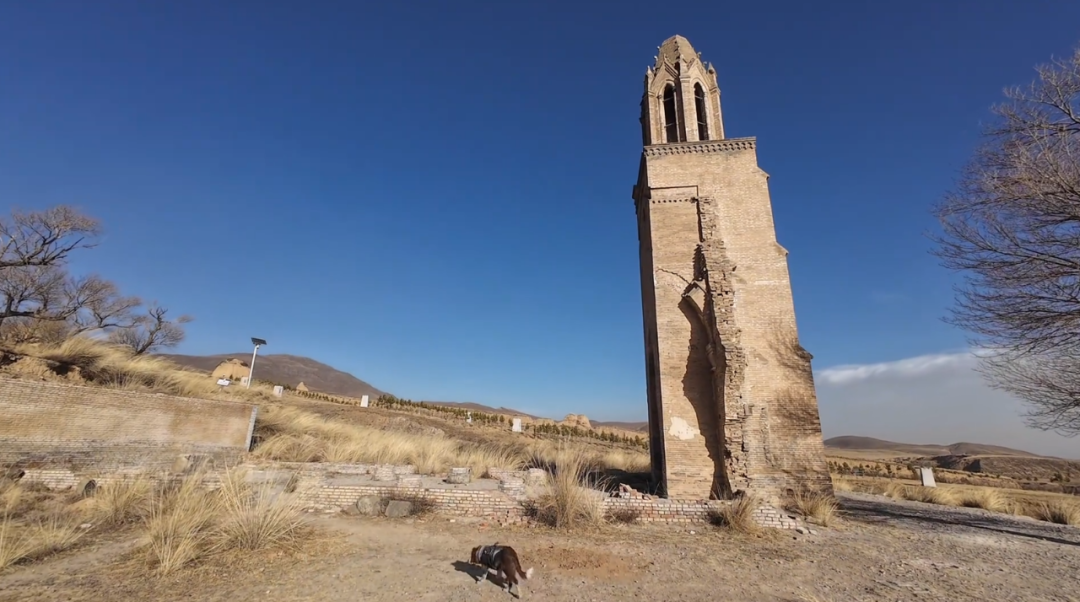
{"x":883,"y":550}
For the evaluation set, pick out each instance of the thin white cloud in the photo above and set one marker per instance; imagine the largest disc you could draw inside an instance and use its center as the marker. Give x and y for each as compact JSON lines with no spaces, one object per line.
{"x":936,"y":398}
{"x":910,"y":367}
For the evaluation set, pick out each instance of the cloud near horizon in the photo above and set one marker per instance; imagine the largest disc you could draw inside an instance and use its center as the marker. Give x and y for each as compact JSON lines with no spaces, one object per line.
{"x":937,"y":398}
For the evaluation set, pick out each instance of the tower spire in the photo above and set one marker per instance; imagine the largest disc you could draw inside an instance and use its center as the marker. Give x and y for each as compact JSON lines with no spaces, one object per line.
{"x":681,"y":101}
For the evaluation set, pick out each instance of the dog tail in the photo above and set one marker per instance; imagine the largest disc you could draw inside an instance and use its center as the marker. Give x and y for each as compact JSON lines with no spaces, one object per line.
{"x":527,"y":574}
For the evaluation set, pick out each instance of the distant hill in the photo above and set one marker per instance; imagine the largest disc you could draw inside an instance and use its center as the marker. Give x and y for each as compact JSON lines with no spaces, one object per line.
{"x":853,"y":443}
{"x":287,"y":370}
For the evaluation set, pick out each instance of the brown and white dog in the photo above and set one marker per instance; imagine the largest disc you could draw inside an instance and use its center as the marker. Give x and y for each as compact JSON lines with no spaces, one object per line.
{"x":504,"y":561}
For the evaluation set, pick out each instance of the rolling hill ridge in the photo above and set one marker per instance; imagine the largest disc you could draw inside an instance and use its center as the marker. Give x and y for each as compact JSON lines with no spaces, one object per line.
{"x":287,"y":369}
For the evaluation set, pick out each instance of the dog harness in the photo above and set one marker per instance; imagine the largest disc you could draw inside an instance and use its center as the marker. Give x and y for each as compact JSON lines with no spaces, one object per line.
{"x":488,"y":554}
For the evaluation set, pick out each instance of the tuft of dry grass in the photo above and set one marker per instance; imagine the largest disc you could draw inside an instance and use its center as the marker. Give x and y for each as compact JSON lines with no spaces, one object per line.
{"x":987,"y":499}
{"x":575,"y":497}
{"x":815,"y":505}
{"x":253,"y":518}
{"x":931,"y":495}
{"x":1055,"y":511}
{"x":50,"y":535}
{"x":179,"y":524}
{"x":123,"y":501}
{"x":841,"y":484}
{"x":737,"y":515}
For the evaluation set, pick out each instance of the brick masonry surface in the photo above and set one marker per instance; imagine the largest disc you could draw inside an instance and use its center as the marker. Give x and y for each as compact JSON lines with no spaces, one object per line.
{"x":58,"y":424}
{"x":732,"y":403}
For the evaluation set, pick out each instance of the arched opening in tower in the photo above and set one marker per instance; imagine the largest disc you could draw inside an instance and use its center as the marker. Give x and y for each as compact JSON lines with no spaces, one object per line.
{"x":702,"y":112}
{"x":671,"y":115}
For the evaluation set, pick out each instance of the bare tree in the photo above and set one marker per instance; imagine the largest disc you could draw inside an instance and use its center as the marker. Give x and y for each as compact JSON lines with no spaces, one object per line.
{"x":151,"y":331}
{"x":1012,"y":227}
{"x":40,"y":301}
{"x":44,"y":238}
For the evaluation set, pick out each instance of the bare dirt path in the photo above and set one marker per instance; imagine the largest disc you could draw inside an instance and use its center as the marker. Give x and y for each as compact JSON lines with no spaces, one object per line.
{"x":883,"y":550}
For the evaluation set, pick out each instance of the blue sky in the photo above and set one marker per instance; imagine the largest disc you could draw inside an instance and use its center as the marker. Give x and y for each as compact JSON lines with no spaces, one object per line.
{"x":436,"y":196}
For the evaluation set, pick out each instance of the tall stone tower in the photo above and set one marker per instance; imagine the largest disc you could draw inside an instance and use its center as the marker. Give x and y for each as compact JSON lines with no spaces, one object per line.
{"x":732,"y":406}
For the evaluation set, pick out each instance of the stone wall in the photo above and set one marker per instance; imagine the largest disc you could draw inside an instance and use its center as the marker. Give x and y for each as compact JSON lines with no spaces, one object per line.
{"x":63,"y":425}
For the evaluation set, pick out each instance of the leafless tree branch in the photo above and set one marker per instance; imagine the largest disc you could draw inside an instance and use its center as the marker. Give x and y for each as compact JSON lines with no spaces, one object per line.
{"x":41,"y":302}
{"x":1012,"y":227}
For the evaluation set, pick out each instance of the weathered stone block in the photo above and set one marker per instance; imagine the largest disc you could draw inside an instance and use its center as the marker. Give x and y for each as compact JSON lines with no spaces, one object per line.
{"x":459,"y":476}
{"x":399,"y":509}
{"x":370,"y":505}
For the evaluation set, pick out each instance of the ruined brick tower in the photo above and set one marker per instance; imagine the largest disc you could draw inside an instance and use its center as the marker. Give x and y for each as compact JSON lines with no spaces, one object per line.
{"x":731,"y":394}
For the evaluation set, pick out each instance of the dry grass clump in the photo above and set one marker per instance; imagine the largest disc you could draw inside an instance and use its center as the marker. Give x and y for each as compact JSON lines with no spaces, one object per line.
{"x":188,"y":522}
{"x":122,"y":502}
{"x":179,"y":524}
{"x":931,"y":495}
{"x":987,"y":499}
{"x":83,"y":359}
{"x":1061,"y":512}
{"x":575,"y":497}
{"x":252,"y":517}
{"x":815,"y":505}
{"x":842,"y":484}
{"x":737,"y":515}
{"x":44,"y":536}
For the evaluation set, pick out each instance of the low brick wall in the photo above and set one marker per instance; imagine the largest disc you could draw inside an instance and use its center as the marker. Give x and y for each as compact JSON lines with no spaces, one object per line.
{"x":52,"y":424}
{"x":494,"y":505}
{"x":507,"y":505}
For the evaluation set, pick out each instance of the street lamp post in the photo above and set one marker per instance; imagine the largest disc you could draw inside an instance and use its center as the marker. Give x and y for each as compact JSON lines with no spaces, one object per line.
{"x":251,"y":371}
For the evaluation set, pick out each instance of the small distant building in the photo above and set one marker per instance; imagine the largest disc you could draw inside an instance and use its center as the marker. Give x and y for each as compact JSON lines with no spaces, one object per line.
{"x":301,"y":387}
{"x":232,"y":369}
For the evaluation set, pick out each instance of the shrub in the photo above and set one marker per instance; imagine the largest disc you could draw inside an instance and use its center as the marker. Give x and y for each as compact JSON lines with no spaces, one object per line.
{"x":737,"y":515}
{"x":253,"y":518}
{"x":816,"y":506}
{"x":573,"y":499}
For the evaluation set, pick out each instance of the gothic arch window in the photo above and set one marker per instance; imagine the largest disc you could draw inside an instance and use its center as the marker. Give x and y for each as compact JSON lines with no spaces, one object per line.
{"x":702,"y":113}
{"x":671,"y":115}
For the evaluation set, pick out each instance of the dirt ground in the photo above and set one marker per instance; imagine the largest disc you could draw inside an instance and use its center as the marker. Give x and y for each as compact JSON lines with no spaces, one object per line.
{"x":882,"y":550}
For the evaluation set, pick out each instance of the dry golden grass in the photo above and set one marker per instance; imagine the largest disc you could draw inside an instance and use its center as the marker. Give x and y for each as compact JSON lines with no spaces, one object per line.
{"x":931,"y":495}
{"x":122,"y":502}
{"x":85,"y":360}
{"x":737,"y":515}
{"x":298,"y":436}
{"x":987,"y":499}
{"x":188,"y":522}
{"x":1045,"y":506}
{"x":815,"y":505}
{"x":44,"y":536}
{"x":293,"y":435}
{"x":179,"y":525}
{"x":574,"y":498}
{"x":1061,"y":512}
{"x":253,"y":518}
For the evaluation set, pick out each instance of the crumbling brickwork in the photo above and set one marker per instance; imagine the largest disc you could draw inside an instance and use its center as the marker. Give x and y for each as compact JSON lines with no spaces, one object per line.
{"x":45,"y":423}
{"x":732,"y":405}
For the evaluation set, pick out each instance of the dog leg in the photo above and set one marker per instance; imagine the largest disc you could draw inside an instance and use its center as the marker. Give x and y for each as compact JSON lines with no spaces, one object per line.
{"x":482,"y":577}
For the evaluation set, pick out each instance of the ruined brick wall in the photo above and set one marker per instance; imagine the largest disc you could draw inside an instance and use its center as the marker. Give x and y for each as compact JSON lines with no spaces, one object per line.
{"x":50,"y":423}
{"x":731,"y":392}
